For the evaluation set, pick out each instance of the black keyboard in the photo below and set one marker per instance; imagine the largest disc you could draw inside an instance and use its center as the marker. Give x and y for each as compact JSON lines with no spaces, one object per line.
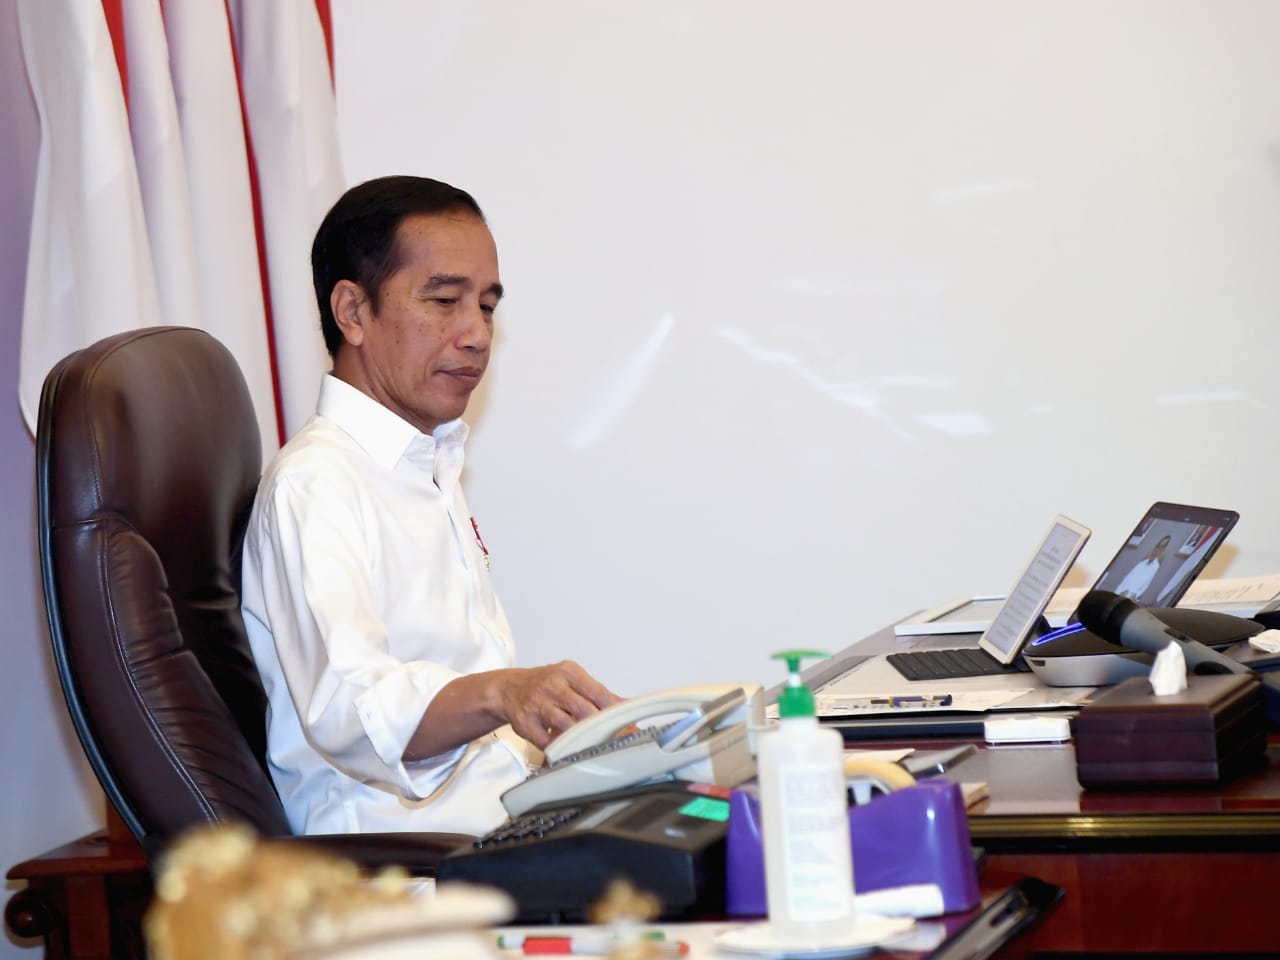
{"x":948,"y":664}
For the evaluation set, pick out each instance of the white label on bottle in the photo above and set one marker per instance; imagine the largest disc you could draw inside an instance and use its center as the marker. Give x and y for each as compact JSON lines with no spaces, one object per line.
{"x":815,"y":842}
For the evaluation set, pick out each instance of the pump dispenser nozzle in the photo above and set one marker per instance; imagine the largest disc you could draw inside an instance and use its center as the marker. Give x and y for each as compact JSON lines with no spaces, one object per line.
{"x":796,"y":700}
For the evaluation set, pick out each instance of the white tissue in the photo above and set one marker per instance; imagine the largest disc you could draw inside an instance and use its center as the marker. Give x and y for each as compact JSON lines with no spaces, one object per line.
{"x":1268,"y":641}
{"x":1169,"y":672}
{"x":912,"y":900}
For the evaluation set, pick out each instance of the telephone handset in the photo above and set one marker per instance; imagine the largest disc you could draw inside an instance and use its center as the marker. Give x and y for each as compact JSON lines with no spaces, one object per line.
{"x":707,"y":742}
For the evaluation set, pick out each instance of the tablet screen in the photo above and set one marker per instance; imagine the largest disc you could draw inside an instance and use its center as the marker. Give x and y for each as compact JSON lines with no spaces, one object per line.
{"x":1025,"y":604}
{"x":1162,"y":556}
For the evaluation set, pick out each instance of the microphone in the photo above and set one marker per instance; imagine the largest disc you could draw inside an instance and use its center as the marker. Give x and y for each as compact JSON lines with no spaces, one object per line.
{"x":1119,"y":620}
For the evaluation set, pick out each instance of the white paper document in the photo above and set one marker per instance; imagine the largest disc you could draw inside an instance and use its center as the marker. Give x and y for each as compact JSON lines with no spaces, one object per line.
{"x":1243,"y":596}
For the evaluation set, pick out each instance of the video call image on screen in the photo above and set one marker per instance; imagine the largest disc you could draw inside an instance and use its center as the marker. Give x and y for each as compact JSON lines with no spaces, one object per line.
{"x":1159,"y":560}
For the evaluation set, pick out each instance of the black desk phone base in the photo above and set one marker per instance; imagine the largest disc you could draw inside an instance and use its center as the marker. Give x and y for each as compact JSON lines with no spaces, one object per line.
{"x":555,"y":861}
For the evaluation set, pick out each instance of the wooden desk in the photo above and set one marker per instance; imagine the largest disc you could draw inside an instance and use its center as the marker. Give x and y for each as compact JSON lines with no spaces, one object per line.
{"x":1162,"y":870}
{"x":1159,"y":870}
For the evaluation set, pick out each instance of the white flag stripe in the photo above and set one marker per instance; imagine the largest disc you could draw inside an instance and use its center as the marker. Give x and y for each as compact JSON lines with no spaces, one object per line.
{"x":292,"y":118}
{"x":157,"y":147}
{"x":208,"y":99}
{"x":89,"y":270}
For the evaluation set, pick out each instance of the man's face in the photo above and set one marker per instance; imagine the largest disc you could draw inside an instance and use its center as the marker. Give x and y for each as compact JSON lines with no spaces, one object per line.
{"x":427,"y":346}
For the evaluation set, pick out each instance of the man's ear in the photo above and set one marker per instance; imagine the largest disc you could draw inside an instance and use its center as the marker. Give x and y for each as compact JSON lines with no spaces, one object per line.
{"x":350,"y":308}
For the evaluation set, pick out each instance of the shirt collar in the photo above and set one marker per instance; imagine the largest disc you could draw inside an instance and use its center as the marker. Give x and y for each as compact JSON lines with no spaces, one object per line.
{"x":384,"y":434}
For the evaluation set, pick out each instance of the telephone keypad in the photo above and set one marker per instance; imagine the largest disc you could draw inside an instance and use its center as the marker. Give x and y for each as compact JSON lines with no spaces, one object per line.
{"x":647,"y":735}
{"x":535,"y":825}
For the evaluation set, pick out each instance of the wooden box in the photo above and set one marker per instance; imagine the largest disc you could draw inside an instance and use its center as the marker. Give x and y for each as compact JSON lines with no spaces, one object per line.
{"x":1209,"y":732}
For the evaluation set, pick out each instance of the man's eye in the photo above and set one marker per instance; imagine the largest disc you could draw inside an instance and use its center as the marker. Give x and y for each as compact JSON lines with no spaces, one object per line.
{"x":445,"y":301}
{"x":488,"y":308}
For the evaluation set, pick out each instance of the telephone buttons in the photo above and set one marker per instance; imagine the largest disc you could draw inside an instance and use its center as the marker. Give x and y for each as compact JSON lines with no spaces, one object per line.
{"x":534,"y":826}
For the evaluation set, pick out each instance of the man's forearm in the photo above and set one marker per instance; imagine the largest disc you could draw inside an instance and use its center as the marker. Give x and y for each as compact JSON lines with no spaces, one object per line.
{"x":538,"y":702}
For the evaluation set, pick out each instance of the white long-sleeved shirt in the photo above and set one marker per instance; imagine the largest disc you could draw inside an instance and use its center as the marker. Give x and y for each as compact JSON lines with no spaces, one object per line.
{"x":366,"y":590}
{"x":1136,"y":581}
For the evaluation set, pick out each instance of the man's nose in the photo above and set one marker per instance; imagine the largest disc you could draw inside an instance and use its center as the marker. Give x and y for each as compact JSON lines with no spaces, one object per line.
{"x":477,"y":328}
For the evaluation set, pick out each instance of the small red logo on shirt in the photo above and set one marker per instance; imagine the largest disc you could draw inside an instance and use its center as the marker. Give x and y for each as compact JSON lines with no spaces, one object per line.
{"x":480,"y":541}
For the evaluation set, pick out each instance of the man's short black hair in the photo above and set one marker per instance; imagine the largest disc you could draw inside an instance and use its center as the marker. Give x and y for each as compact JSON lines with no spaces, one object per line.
{"x":357,"y":238}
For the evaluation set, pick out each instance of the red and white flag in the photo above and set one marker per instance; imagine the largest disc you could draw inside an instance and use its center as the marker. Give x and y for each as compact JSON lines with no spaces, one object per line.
{"x":145,"y":211}
{"x":203,"y":70}
{"x":89,"y":271}
{"x":289,"y":104}
{"x":162,"y":174}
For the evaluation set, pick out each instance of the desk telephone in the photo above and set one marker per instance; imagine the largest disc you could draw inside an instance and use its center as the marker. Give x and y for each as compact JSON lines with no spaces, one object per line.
{"x":611,"y":802}
{"x":706,"y":742}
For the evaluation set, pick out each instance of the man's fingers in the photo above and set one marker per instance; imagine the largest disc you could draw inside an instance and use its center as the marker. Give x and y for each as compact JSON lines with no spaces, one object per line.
{"x":587,"y":686}
{"x":549,"y":700}
{"x":558,"y":720}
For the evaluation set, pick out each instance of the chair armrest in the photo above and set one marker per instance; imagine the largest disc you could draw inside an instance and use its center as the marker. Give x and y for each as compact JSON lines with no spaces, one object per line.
{"x":418,"y":853}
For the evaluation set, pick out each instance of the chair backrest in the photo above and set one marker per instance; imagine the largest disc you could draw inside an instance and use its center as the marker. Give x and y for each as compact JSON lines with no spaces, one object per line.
{"x":147,"y":461}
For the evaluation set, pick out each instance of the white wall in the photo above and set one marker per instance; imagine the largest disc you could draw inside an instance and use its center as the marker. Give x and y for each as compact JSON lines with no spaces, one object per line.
{"x":819,"y":312}
{"x":49,"y":795}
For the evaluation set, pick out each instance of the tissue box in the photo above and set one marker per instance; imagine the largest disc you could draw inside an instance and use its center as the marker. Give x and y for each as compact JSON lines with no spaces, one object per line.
{"x":1209,"y":732}
{"x":919,"y":834}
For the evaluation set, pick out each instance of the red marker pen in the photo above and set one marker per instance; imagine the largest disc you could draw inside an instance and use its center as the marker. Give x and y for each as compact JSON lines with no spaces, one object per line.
{"x":591,"y":944}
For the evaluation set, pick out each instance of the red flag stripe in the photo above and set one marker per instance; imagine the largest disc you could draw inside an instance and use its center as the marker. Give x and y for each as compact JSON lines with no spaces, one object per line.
{"x":115,"y":26}
{"x":326,"y":26}
{"x":259,"y":236}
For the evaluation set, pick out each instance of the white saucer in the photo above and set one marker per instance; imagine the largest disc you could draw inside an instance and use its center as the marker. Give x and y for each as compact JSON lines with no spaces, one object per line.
{"x":869,"y":931}
{"x":448,"y":923}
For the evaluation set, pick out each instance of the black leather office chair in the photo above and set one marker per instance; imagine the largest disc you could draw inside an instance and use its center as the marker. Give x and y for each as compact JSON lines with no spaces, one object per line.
{"x":147,"y":461}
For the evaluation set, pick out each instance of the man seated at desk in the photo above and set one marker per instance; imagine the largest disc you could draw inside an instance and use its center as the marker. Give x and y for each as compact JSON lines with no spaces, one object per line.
{"x":387,"y":660}
{"x":1138,"y":580}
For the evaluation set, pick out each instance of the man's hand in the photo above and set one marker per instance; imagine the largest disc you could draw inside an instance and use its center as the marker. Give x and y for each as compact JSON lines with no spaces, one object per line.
{"x":541,"y":702}
{"x":538,"y":702}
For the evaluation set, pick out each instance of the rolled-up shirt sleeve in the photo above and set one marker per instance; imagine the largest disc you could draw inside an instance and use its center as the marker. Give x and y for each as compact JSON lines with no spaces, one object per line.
{"x":386,"y":710}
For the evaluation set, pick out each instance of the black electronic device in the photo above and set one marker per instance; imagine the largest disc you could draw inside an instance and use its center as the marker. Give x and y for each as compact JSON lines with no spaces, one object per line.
{"x":1125,"y":624}
{"x":1020,"y":617}
{"x":1005,"y":918}
{"x":1075,"y":656}
{"x":1165,"y":552}
{"x":1122,"y":622}
{"x":1154,"y":567}
{"x":1269,"y":615}
{"x":555,"y":861}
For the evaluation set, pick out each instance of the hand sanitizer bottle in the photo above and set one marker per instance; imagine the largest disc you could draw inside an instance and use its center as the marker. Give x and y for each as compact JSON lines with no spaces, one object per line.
{"x":804,"y":811}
